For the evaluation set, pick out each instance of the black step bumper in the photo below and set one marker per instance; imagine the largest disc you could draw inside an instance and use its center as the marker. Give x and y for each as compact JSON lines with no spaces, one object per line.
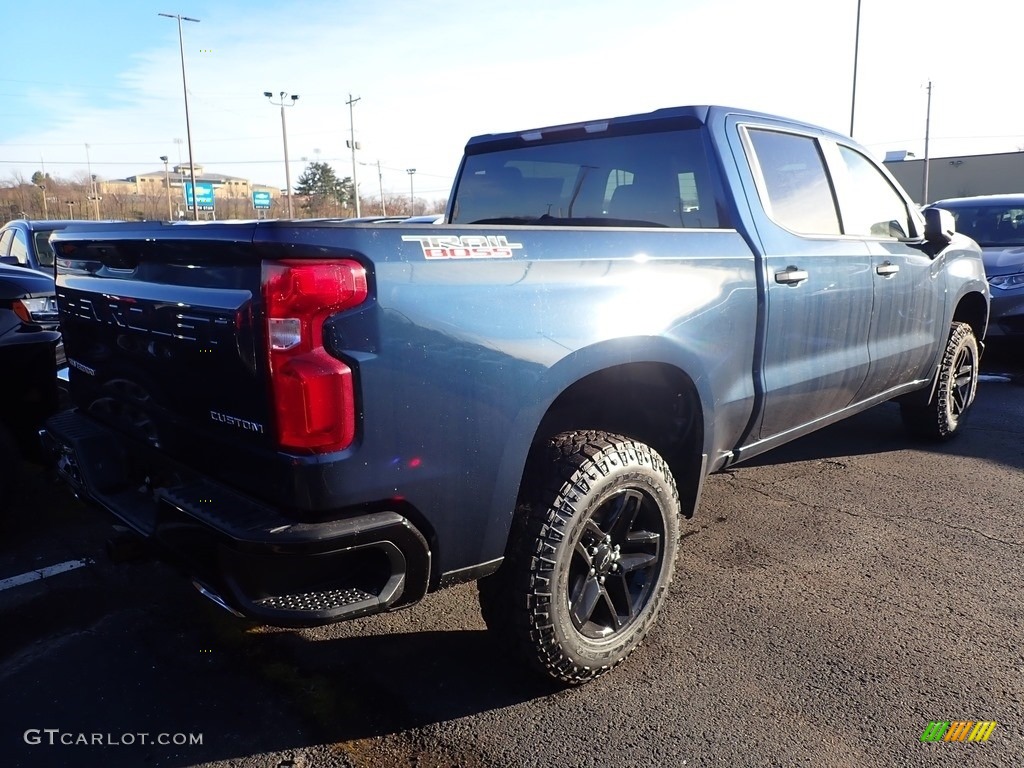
{"x":246,"y":556}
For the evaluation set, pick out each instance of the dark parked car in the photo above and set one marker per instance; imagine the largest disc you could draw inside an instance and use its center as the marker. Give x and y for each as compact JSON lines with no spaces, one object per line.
{"x":29,"y":351}
{"x":996,"y":223}
{"x":25,"y":243}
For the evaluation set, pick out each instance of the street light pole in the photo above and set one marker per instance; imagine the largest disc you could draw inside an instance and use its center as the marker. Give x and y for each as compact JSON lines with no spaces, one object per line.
{"x":167,"y":183}
{"x":188,"y":124}
{"x":856,"y":50}
{"x":412,"y":197}
{"x":284,"y":134}
{"x":354,"y":146}
{"x":927,"y":131}
{"x":181,"y":179}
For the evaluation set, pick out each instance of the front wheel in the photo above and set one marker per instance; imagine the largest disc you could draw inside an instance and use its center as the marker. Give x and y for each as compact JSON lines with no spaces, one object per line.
{"x":591,"y":560}
{"x":954,"y":392}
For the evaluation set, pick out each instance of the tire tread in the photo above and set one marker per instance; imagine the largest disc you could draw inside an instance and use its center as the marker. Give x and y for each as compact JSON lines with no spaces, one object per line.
{"x":515,"y":601}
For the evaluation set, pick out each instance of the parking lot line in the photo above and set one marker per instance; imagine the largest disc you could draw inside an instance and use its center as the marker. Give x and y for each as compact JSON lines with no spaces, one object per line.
{"x":42,"y":573}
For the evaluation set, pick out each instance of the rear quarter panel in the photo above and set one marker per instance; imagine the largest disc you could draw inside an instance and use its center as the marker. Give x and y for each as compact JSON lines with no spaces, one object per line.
{"x":464,"y":356}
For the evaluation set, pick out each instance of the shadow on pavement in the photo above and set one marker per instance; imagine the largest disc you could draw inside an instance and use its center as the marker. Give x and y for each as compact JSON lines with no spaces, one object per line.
{"x":133,"y":650}
{"x":176,"y":665}
{"x":994,"y":434}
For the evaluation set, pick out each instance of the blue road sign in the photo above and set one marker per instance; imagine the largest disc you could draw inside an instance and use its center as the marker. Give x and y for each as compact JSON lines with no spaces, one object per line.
{"x":204,"y":195}
{"x":260,"y":200}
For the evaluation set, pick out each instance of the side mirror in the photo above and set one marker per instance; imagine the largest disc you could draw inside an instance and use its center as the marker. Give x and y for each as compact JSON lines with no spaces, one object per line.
{"x":939,"y":227}
{"x":10,"y":261}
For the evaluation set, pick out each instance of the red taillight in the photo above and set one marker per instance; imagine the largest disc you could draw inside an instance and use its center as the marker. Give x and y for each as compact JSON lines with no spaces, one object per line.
{"x":313,"y":394}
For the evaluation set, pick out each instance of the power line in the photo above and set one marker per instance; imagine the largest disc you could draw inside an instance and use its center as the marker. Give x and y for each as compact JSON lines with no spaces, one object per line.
{"x":133,"y":162}
{"x":192,"y":91}
{"x":203,"y":163}
{"x":1016,"y":136}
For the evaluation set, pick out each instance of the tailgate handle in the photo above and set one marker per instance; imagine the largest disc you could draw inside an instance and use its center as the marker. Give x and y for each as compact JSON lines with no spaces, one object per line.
{"x":791,"y":276}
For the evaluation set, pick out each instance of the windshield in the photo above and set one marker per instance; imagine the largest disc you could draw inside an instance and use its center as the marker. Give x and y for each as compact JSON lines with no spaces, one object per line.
{"x":990,"y":224}
{"x":647,"y":180}
{"x":44,"y":253}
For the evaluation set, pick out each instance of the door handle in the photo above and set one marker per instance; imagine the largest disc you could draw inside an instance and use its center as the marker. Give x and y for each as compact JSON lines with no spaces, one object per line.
{"x":888,"y":269}
{"x":791,"y":276}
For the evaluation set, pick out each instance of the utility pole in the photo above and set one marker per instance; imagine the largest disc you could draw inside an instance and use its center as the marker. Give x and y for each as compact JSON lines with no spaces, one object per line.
{"x":46,"y":211}
{"x":927,"y":131}
{"x":92,"y":184}
{"x":380,"y":181}
{"x":352,"y":144}
{"x":188,"y":124}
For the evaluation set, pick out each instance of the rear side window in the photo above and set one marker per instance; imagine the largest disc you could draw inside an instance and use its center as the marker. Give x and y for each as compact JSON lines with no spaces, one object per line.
{"x":44,"y":253}
{"x":798,"y":189}
{"x":642,"y":180}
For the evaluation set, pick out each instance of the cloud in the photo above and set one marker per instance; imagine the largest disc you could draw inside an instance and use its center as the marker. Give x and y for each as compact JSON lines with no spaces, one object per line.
{"x":429,"y":78}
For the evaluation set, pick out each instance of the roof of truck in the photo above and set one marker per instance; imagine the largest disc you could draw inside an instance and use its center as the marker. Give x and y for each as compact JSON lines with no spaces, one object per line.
{"x":693,"y":115}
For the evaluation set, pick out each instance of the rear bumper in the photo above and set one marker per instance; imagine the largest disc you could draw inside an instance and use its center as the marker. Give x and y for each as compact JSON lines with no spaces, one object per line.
{"x":246,"y":556}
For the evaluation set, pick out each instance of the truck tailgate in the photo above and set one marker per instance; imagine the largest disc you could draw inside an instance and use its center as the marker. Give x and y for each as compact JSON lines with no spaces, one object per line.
{"x":162,"y":336}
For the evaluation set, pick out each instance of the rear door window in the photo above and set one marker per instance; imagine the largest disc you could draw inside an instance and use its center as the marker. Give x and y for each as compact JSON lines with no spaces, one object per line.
{"x":796,"y":190}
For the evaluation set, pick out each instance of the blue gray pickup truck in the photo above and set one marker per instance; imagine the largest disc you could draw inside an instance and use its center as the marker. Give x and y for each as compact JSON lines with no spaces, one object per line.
{"x":321,"y":420}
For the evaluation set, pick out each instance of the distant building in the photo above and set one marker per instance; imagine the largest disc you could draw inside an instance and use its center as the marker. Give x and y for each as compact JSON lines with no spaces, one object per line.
{"x":961,"y":176}
{"x":152,"y":183}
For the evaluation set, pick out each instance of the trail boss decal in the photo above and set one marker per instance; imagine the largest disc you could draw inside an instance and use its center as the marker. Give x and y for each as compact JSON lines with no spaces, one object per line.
{"x":464,"y":247}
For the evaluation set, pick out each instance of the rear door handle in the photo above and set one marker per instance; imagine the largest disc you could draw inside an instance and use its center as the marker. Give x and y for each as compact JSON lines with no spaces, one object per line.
{"x":791,"y":276}
{"x":887,"y":268}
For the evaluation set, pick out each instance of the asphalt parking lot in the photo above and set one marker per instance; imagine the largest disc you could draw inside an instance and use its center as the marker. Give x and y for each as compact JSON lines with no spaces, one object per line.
{"x":831,"y":599}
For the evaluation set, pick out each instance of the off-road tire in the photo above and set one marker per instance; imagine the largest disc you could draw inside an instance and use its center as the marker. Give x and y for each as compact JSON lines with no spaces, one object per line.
{"x":954,"y":393}
{"x":590,"y":557}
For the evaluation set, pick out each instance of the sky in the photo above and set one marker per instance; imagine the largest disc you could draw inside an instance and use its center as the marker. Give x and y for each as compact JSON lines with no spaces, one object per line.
{"x":429,"y":75}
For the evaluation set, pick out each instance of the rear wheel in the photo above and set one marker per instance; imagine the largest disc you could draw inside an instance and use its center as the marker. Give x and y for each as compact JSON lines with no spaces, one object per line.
{"x":954,"y":393}
{"x":590,"y":559}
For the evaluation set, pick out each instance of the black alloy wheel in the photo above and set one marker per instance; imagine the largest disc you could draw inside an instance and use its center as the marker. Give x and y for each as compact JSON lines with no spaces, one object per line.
{"x":615,"y":564}
{"x":590,"y":556}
